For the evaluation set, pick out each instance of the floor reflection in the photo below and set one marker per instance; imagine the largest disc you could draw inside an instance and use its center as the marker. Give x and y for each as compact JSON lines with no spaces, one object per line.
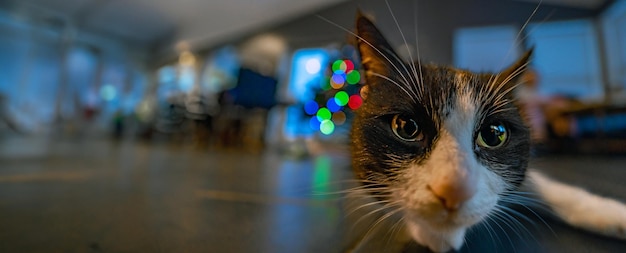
{"x":99,"y":196}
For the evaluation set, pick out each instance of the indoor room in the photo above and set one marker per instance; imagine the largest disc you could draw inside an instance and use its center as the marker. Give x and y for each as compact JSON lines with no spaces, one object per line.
{"x":313,"y":126}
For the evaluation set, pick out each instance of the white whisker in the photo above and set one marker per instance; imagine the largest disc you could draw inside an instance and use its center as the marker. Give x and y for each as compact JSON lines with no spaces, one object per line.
{"x":379,"y":220}
{"x":395,"y":83}
{"x":411,"y":61}
{"x":397,"y":69}
{"x":505,"y":211}
{"x":492,"y":218}
{"x":505,"y":219}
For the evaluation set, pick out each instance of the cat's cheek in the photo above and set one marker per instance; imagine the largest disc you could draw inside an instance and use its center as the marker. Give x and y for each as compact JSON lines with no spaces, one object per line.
{"x":489,"y":189}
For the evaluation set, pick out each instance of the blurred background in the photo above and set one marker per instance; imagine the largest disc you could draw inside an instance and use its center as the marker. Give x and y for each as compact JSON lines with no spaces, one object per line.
{"x":222,"y":126}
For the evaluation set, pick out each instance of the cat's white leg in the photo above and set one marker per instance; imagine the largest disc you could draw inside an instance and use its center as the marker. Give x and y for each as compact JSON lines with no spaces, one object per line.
{"x":437,"y":241}
{"x":579,"y":207}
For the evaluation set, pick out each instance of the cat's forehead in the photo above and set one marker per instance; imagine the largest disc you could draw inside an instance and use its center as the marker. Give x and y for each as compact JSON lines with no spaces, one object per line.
{"x":448,"y":84}
{"x":452,"y":76}
{"x":440,"y":95}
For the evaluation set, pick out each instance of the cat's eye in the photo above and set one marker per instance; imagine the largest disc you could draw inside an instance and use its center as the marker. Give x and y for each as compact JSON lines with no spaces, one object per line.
{"x":492,"y":135}
{"x":406,"y":128}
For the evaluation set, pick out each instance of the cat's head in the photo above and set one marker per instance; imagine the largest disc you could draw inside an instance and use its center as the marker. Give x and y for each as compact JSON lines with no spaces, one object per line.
{"x":441,"y":144}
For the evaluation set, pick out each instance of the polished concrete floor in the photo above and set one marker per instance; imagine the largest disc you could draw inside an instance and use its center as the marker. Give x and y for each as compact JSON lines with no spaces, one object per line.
{"x":91,"y":195}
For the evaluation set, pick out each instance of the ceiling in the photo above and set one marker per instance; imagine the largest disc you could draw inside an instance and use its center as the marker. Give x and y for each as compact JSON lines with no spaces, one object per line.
{"x":193,"y":23}
{"x":197,"y":23}
{"x":586,"y":4}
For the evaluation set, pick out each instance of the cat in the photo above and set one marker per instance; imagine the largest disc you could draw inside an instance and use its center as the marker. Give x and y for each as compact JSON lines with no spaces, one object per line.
{"x":441,"y":147}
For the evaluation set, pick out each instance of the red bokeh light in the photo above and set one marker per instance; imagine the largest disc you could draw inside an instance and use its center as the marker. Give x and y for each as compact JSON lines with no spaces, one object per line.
{"x":355,"y":102}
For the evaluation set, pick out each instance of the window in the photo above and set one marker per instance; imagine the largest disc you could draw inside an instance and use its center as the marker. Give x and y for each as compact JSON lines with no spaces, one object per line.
{"x":566,"y":58}
{"x":613,"y":23}
{"x":486,"y":48}
{"x":308,"y":68}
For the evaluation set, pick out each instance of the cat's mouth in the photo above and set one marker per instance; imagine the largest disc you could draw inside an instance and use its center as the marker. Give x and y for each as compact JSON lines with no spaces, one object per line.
{"x":437,"y":217}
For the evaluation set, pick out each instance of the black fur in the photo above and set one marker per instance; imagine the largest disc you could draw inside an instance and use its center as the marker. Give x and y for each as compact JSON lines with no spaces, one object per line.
{"x":428,"y":102}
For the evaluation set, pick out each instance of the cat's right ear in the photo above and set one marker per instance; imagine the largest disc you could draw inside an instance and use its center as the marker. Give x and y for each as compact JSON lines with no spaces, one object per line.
{"x":510,"y":77}
{"x":377,"y":56}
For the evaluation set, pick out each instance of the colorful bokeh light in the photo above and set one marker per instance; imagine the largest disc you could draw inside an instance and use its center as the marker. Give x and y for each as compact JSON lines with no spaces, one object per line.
{"x":335,"y":85}
{"x":355,"y":102}
{"x":315,"y":123}
{"x":337,"y":65}
{"x":343,"y":66}
{"x":338,"y":79}
{"x":339,"y":118}
{"x":353,"y":77}
{"x":349,"y":66}
{"x":326,"y":84}
{"x":332,"y":105}
{"x":326,"y":116}
{"x":313,"y":66}
{"x":342,"y":98}
{"x":327,"y":127}
{"x":323,"y":114}
{"x":311,"y":107}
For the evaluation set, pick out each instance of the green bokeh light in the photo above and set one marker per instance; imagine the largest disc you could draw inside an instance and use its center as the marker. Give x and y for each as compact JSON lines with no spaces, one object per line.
{"x":327,"y":127}
{"x":325,"y":84}
{"x":321,"y":177}
{"x":353,"y":77}
{"x":342,"y":98}
{"x":337,"y":65}
{"x":323,"y":114}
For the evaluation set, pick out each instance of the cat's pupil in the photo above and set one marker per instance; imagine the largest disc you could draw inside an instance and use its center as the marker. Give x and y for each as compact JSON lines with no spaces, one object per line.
{"x":406,"y":128}
{"x":492,"y":135}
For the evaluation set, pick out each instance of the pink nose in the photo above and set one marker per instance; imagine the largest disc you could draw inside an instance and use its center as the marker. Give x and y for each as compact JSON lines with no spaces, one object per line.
{"x":453,"y":191}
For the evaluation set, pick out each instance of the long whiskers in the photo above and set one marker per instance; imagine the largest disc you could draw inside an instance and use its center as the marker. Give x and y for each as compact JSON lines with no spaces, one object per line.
{"x":411,"y":62}
{"x":492,"y":220}
{"x":395,"y":83}
{"x":417,"y":50}
{"x":494,"y":95}
{"x":489,"y":229}
{"x":516,"y":198}
{"x":395,"y":67}
{"x":498,"y":218}
{"x":395,"y":228}
{"x":380,"y":220}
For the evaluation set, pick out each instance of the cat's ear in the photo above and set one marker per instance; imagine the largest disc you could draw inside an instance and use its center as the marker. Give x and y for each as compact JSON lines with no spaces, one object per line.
{"x":377,"y":56}
{"x":511,"y":76}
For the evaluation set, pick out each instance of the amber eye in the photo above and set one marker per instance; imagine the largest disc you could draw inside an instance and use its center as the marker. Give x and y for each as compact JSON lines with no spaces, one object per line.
{"x":406,"y":128}
{"x":492,"y":135}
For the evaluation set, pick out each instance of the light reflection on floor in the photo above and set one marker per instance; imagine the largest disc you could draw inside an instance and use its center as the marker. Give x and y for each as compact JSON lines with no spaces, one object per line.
{"x":100,"y":196}
{"x":66,"y":196}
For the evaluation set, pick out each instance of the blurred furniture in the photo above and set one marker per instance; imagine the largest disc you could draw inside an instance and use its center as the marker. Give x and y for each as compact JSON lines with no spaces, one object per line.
{"x":588,"y":128}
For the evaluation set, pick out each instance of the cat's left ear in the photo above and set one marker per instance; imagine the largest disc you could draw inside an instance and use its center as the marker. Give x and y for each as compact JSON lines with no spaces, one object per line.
{"x":377,"y":55}
{"x":511,"y":76}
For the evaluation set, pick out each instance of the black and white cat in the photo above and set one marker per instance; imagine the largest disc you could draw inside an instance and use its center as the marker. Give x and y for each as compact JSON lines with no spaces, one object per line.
{"x":442,"y":147}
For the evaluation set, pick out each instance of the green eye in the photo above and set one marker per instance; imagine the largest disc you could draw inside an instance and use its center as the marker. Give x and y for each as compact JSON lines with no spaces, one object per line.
{"x":492,"y":135}
{"x":406,"y":128}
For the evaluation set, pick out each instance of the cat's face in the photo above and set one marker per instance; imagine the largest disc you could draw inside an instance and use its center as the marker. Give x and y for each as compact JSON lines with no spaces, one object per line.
{"x":440,"y":144}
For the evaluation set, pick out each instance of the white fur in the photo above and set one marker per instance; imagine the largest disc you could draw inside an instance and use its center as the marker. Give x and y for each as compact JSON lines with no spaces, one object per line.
{"x":579,"y":207}
{"x":428,"y":222}
{"x":437,"y":241}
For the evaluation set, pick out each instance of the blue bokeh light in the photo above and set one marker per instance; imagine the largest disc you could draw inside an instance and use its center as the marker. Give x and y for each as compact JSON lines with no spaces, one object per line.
{"x":315,"y":123}
{"x":311,"y":107}
{"x":332,"y":105}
